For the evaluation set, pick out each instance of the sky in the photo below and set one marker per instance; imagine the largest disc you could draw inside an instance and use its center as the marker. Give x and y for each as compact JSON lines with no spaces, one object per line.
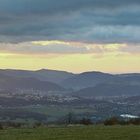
{"x":70,"y":35}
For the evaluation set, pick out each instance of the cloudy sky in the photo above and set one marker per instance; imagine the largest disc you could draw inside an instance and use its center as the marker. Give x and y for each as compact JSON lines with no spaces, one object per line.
{"x":72,"y":35}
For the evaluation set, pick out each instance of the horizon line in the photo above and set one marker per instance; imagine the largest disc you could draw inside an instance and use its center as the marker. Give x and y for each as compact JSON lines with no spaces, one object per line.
{"x":113,"y":73}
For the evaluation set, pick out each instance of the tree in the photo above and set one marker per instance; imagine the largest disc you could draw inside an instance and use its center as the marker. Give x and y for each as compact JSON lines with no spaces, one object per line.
{"x":111,"y":121}
{"x":86,"y":121}
{"x":1,"y":127}
{"x":70,"y":117}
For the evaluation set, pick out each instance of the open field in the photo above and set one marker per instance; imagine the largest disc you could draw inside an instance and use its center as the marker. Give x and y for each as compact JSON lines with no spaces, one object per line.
{"x":74,"y":133}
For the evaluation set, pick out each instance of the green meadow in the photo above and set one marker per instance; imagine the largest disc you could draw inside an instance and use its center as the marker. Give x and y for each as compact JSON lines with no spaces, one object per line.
{"x":73,"y":133}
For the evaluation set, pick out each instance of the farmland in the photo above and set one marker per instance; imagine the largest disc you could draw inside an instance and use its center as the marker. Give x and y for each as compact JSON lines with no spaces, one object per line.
{"x":73,"y":133}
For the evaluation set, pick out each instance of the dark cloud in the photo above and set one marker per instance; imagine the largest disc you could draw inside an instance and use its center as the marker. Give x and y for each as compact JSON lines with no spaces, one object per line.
{"x":54,"y":6}
{"x":77,"y":20}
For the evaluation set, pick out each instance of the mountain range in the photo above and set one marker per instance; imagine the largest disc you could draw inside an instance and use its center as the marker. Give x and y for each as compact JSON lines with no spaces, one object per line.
{"x":42,"y":75}
{"x":26,"y":83}
{"x":84,"y":84}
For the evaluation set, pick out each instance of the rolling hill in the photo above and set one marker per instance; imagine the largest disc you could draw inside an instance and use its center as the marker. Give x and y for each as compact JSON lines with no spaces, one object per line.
{"x":119,"y":85}
{"x":84,"y":84}
{"x":108,"y":89}
{"x":11,"y":83}
{"x":86,"y":79}
{"x":42,"y":75}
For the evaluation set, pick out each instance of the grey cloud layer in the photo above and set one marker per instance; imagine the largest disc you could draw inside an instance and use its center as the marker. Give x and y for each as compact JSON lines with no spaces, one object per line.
{"x":77,"y":20}
{"x":28,"y":47}
{"x":66,"y":48}
{"x":53,"y":6}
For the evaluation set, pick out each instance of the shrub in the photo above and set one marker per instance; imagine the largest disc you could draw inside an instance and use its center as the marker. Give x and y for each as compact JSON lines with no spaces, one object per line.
{"x":135,"y":121}
{"x":86,"y":121}
{"x":111,"y":121}
{"x":1,"y":127}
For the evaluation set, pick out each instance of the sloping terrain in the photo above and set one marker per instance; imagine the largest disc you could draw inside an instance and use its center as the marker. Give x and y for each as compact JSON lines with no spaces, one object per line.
{"x":43,"y":74}
{"x":9,"y":82}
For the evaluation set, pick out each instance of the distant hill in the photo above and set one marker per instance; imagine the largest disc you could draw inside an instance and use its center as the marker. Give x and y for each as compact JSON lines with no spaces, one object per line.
{"x":53,"y":75}
{"x":10,"y":82}
{"x":129,"y":77}
{"x":86,"y":79}
{"x":117,"y":86}
{"x":84,"y":84}
{"x":43,"y":74}
{"x":110,"y":90}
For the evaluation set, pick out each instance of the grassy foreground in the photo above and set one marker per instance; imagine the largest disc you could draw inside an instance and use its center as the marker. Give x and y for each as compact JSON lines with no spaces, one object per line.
{"x":73,"y":133}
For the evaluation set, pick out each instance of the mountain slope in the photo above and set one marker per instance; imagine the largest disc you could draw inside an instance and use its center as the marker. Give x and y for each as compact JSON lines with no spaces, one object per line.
{"x":117,"y":86}
{"x":53,"y":75}
{"x":43,"y":74}
{"x":9,"y":82}
{"x":86,"y":79}
{"x":110,"y":90}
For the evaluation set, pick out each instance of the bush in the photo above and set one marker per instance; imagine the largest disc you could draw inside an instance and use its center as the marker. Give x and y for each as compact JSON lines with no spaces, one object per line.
{"x":13,"y":124}
{"x":115,"y":121}
{"x":135,"y":121}
{"x":111,"y":121}
{"x":37,"y":124}
{"x":86,"y":121}
{"x":1,"y":127}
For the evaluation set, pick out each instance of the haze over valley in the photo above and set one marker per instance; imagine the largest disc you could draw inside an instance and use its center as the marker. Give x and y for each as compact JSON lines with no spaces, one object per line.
{"x":53,"y":94}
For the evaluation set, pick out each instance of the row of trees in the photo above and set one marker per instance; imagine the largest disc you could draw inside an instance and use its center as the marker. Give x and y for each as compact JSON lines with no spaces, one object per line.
{"x":70,"y":119}
{"x":9,"y":124}
{"x":116,"y":121}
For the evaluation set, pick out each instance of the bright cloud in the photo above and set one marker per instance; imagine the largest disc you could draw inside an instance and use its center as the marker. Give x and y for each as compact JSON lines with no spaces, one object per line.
{"x":65,"y":47}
